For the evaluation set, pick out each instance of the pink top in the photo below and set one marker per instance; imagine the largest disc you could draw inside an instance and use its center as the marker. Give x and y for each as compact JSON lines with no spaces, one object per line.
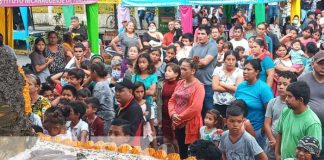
{"x":187,"y":102}
{"x":305,"y":41}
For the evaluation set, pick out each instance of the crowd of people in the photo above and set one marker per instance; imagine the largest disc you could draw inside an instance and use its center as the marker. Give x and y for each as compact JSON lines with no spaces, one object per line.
{"x":254,"y":92}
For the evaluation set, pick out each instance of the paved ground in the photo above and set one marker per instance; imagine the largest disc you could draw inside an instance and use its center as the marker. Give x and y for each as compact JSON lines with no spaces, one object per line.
{"x":22,"y":59}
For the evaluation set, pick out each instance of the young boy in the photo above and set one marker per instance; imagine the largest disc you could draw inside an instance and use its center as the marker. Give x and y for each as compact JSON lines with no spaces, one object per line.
{"x":296,"y":121}
{"x":68,"y":94}
{"x":83,"y":94}
{"x":96,"y":124}
{"x":76,"y":78}
{"x":204,"y":149}
{"x":236,"y":143}
{"x":120,"y":132}
{"x":187,"y":40}
{"x":79,"y":52}
{"x":274,"y":109}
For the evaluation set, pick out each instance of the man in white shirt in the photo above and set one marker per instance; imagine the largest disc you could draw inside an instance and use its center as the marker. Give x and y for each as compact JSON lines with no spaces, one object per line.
{"x":238,"y":39}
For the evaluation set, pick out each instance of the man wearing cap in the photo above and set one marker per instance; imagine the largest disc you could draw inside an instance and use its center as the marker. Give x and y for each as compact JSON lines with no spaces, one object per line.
{"x":308,"y":148}
{"x":128,"y":108}
{"x":315,"y":81}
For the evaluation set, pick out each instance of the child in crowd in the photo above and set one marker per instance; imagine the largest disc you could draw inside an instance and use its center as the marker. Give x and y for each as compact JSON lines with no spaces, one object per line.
{"x":307,"y":36}
{"x":187,"y":40}
{"x":79,"y":52}
{"x":213,"y":128}
{"x":102,"y":91}
{"x":60,"y":80}
{"x":165,"y":89}
{"x":76,"y":77}
{"x":239,"y":17}
{"x":39,"y":103}
{"x":83,"y":94}
{"x":180,"y":50}
{"x":39,"y":63}
{"x":214,"y":34}
{"x":145,"y":73}
{"x":120,"y":131}
{"x":170,"y":55}
{"x":225,"y":47}
{"x":237,"y":143}
{"x":274,"y":109}
{"x":281,"y":60}
{"x":148,"y":113}
{"x":47,"y":92}
{"x":133,"y":53}
{"x":204,"y":149}
{"x":178,"y":31}
{"x":241,"y":51}
{"x":296,"y":54}
{"x":308,"y":148}
{"x":155,"y":56}
{"x":78,"y":128}
{"x":54,"y":123}
{"x":251,"y":40}
{"x":310,"y":51}
{"x":96,"y":124}
{"x":247,"y":124}
{"x":68,"y":94}
{"x":317,"y":35}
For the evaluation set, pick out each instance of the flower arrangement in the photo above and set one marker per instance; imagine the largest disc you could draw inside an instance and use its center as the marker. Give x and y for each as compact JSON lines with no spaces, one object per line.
{"x":124,"y":148}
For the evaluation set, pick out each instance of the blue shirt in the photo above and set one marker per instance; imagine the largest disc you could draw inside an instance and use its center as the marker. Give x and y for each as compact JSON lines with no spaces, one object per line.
{"x":148,"y":82}
{"x":255,"y":96}
{"x":266,"y":63}
{"x":269,"y":43}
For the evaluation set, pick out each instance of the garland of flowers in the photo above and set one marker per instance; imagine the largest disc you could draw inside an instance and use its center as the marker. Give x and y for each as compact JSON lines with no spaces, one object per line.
{"x":124,"y":148}
{"x":25,"y":91}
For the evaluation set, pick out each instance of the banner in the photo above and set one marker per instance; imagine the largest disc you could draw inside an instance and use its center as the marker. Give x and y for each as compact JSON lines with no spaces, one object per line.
{"x":19,"y":3}
{"x":152,"y":3}
{"x":172,"y":3}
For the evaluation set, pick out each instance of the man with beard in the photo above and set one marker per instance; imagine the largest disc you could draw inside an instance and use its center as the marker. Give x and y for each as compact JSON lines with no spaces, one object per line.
{"x":305,"y":121}
{"x":315,"y":81}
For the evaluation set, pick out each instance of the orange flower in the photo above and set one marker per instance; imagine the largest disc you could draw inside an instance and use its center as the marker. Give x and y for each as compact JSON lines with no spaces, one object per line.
{"x":136,"y":150}
{"x":25,"y":90}
{"x":124,"y":148}
{"x":111,"y":147}
{"x":160,"y":154}
{"x":173,"y":156}
{"x":191,"y":158}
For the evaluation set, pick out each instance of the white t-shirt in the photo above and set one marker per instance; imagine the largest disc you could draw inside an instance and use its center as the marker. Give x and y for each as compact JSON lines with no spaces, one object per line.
{"x":243,"y":43}
{"x":226,"y":98}
{"x":77,"y":129}
{"x":183,"y":53}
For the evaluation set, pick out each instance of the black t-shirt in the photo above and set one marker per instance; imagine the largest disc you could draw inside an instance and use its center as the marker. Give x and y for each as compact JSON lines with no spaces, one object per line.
{"x":133,"y":114}
{"x":80,"y":31}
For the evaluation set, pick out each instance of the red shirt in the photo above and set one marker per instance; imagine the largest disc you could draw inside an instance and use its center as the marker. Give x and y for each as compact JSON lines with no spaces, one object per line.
{"x":168,"y":38}
{"x":97,"y":127}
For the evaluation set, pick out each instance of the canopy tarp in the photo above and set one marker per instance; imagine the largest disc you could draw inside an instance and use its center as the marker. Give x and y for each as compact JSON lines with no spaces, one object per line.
{"x":170,"y":3}
{"x":20,"y":3}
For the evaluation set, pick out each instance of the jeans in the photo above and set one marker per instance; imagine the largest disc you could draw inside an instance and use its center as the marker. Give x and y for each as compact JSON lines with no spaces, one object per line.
{"x":260,"y":138}
{"x":141,"y":15}
{"x":208,"y":101}
{"x":149,"y":17}
{"x":273,"y":11}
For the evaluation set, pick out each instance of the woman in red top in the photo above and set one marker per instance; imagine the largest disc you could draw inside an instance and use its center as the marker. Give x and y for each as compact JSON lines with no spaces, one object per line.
{"x":185,"y":106}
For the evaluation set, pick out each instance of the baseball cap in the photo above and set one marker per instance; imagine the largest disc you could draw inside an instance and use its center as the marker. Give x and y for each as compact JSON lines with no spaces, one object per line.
{"x":311,"y":144}
{"x":126,"y":83}
{"x":319,"y":56}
